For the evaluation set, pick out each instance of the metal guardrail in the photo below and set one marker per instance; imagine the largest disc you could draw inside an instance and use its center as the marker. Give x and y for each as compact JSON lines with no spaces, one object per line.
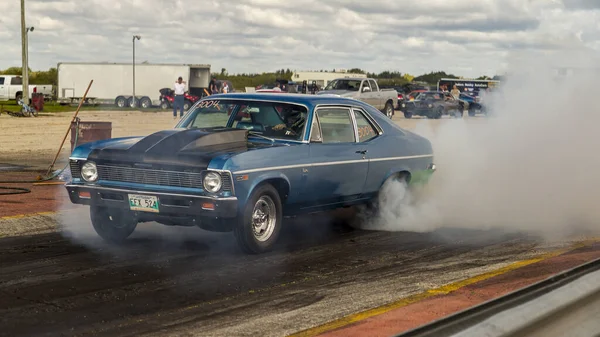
{"x":566,"y":304}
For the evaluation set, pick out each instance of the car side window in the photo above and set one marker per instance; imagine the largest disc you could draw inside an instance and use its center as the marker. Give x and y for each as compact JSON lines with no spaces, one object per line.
{"x":366,"y":131}
{"x":336,"y":125}
{"x":315,"y":133}
{"x":365,"y":84}
{"x":372,"y":84}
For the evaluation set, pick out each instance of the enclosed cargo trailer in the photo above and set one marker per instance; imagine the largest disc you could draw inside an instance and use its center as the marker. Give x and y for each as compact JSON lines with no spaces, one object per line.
{"x":113,"y":82}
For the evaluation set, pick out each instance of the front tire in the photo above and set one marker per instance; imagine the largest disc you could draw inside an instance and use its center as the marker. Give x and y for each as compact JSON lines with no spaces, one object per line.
{"x":113,"y":225}
{"x":259,"y":224}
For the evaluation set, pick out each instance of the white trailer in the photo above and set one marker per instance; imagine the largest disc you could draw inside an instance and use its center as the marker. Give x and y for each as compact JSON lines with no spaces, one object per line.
{"x":113,"y":82}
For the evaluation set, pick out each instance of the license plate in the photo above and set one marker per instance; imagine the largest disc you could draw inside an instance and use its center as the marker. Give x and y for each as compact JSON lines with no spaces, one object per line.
{"x":144,"y":203}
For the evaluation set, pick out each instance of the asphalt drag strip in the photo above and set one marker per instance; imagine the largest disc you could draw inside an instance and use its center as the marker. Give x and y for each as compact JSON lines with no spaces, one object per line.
{"x":172,"y":281}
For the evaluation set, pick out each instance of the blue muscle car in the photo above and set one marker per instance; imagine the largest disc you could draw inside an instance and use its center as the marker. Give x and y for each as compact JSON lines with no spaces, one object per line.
{"x":241,"y":162}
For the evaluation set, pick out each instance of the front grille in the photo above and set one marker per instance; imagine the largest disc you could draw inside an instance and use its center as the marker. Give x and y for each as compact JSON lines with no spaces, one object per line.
{"x":75,"y":169}
{"x":157,"y":177}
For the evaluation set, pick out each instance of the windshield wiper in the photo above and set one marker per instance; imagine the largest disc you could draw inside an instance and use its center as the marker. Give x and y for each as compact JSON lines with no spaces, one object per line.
{"x":257,"y":134}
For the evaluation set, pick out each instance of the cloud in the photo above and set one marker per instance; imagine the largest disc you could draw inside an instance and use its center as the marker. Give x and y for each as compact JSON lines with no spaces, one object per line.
{"x":467,"y":38}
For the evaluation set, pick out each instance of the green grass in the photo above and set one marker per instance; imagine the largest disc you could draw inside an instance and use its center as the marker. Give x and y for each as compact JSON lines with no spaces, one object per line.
{"x":51,"y":107}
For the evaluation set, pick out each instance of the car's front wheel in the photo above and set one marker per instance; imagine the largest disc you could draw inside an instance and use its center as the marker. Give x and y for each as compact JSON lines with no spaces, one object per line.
{"x":259,"y":224}
{"x":112,"y":224}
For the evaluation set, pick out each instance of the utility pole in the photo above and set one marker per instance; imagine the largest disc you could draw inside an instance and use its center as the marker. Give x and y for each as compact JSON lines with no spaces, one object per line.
{"x":134,"y":102}
{"x":25,"y":73}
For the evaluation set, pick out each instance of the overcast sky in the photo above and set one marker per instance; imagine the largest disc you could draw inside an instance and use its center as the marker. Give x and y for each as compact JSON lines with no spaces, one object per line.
{"x":465,"y":37}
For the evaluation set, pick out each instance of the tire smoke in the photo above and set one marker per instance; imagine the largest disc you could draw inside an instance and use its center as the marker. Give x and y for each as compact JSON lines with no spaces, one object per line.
{"x":530,"y":165}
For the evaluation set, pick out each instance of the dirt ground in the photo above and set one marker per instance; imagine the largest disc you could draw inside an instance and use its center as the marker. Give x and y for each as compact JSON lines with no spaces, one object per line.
{"x":34,"y":141}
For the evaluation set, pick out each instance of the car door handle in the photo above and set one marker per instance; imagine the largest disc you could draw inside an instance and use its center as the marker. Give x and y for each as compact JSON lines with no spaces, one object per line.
{"x":362,"y":151}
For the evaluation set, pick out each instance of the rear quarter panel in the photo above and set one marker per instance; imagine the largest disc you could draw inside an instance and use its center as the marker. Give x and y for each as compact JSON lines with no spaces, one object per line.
{"x":395,"y":151}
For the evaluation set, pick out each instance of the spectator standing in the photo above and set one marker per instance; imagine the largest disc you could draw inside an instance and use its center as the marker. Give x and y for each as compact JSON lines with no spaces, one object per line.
{"x":455,"y":92}
{"x":179,"y":91}
{"x":225,"y":87}
{"x":212,"y":87}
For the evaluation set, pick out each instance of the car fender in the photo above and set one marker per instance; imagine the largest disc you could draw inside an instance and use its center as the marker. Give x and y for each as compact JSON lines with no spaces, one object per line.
{"x":261,"y":179}
{"x":394,"y":170}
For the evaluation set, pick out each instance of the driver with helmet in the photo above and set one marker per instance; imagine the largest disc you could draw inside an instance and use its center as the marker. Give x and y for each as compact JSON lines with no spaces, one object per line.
{"x":293,"y":122}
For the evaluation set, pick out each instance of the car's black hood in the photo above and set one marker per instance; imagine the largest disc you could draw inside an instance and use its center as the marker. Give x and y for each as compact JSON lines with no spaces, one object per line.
{"x":175,"y":148}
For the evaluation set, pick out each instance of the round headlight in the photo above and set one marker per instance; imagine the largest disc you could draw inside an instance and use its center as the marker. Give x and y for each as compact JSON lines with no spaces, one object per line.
{"x":212,"y":182}
{"x":430,"y":105}
{"x":403,"y":105}
{"x":89,"y":172}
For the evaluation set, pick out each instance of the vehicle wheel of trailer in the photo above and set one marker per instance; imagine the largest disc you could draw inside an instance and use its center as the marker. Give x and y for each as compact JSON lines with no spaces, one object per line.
{"x":389,"y":110}
{"x":120,"y":102}
{"x":146,"y":102}
{"x":133,"y":103}
{"x":259,"y":223}
{"x":114,"y":225}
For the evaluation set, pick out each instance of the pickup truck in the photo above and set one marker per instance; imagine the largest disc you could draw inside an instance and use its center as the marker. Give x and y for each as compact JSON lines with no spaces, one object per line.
{"x":11,"y":87}
{"x":366,"y":90}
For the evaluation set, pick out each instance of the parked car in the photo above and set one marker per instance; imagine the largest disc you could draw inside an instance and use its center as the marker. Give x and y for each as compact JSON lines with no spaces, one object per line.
{"x":366,"y":90}
{"x":433,"y":104}
{"x":242,"y":162}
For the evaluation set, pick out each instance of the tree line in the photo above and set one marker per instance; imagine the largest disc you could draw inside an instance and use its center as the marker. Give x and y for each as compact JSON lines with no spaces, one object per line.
{"x":240,"y":81}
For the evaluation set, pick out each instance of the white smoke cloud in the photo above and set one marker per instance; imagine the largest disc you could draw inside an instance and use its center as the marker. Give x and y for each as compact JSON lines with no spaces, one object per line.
{"x":530,"y":165}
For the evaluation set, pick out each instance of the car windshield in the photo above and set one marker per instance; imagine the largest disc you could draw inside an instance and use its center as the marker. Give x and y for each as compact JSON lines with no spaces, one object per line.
{"x":343,"y":84}
{"x":273,"y":120}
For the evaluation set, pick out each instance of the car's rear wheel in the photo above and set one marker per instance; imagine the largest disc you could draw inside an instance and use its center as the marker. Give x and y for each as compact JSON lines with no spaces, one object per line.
{"x":112,"y":224}
{"x":438,"y":113}
{"x":389,"y":110}
{"x":408,"y":115}
{"x":395,"y":186}
{"x":259,"y":224}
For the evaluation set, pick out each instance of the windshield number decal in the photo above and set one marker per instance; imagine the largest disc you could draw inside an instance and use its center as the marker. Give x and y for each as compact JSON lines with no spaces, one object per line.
{"x":208,"y":104}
